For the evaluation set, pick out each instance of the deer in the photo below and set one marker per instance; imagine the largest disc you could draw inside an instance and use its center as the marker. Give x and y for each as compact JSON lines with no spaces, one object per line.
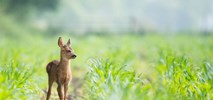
{"x":59,"y":71}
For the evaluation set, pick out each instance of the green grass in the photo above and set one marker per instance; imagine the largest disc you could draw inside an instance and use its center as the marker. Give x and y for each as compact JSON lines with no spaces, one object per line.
{"x":106,"y":80}
{"x":126,"y":67}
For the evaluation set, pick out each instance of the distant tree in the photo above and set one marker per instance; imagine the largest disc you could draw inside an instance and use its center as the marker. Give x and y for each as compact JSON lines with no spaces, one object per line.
{"x":21,"y":7}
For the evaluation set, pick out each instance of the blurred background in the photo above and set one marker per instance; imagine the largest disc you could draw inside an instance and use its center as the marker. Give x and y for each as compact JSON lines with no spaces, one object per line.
{"x":106,"y":16}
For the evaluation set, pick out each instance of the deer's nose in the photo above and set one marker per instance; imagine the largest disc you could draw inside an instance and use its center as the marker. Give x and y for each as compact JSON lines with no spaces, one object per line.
{"x":74,"y":56}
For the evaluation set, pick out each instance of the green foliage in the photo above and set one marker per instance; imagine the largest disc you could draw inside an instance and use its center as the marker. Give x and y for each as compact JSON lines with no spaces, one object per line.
{"x":23,"y":10}
{"x":106,"y":80}
{"x":129,"y":67}
{"x":183,"y":79}
{"x":23,"y":5}
{"x":15,"y":82}
{"x":178,"y":76}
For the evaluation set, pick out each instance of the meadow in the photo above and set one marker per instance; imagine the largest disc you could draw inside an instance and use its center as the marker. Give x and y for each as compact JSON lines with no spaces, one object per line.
{"x":111,"y":67}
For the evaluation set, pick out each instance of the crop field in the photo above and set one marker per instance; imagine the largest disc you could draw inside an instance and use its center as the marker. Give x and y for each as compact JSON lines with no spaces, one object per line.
{"x":111,"y":67}
{"x":126,"y":50}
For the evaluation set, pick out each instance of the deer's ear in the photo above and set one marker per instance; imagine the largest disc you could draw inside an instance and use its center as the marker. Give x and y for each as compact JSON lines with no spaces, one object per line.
{"x":60,"y":42}
{"x":68,"y":42}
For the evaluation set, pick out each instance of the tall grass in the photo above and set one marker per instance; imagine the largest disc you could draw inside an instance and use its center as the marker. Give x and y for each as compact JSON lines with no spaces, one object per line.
{"x":107,"y":80}
{"x":184,"y":80}
{"x":15,"y":82}
{"x":125,"y":67}
{"x":178,"y":79}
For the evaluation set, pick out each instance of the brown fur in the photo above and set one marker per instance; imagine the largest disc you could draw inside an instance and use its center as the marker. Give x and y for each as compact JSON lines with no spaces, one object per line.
{"x":59,"y":71}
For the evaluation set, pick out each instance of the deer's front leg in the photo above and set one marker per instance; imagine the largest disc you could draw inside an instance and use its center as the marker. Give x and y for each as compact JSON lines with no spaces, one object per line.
{"x":60,"y":93}
{"x":66,"y":86}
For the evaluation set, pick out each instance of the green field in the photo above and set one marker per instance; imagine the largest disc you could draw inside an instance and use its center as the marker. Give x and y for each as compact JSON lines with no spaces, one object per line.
{"x":126,"y":50}
{"x":111,"y":67}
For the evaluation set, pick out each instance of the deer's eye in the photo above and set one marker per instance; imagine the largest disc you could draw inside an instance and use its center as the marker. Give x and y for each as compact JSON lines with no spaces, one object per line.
{"x":68,"y":50}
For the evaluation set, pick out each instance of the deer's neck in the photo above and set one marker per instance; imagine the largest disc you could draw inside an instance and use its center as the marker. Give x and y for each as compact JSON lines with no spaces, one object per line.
{"x":64,"y":64}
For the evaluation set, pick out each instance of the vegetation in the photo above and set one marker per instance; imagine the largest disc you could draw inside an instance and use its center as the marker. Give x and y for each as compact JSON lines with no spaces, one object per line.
{"x":112,"y":66}
{"x":108,"y":67}
{"x":20,"y":6}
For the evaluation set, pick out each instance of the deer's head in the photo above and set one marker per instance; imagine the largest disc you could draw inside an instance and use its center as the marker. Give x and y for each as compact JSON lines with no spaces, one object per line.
{"x":66,"y":51}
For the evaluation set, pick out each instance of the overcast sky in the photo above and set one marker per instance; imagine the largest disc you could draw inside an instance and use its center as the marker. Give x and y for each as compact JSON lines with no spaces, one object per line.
{"x":121,"y":15}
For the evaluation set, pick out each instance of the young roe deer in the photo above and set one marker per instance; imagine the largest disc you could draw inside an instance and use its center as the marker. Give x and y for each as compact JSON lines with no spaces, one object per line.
{"x":59,"y":71}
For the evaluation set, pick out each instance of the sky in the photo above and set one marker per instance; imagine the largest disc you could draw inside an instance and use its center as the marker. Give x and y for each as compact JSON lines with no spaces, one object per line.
{"x":130,"y":15}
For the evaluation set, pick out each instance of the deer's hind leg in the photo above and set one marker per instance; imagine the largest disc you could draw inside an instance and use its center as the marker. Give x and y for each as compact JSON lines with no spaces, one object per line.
{"x":50,"y":83}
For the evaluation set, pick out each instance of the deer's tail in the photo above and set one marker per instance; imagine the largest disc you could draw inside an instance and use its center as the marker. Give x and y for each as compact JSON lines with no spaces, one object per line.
{"x":48,"y":67}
